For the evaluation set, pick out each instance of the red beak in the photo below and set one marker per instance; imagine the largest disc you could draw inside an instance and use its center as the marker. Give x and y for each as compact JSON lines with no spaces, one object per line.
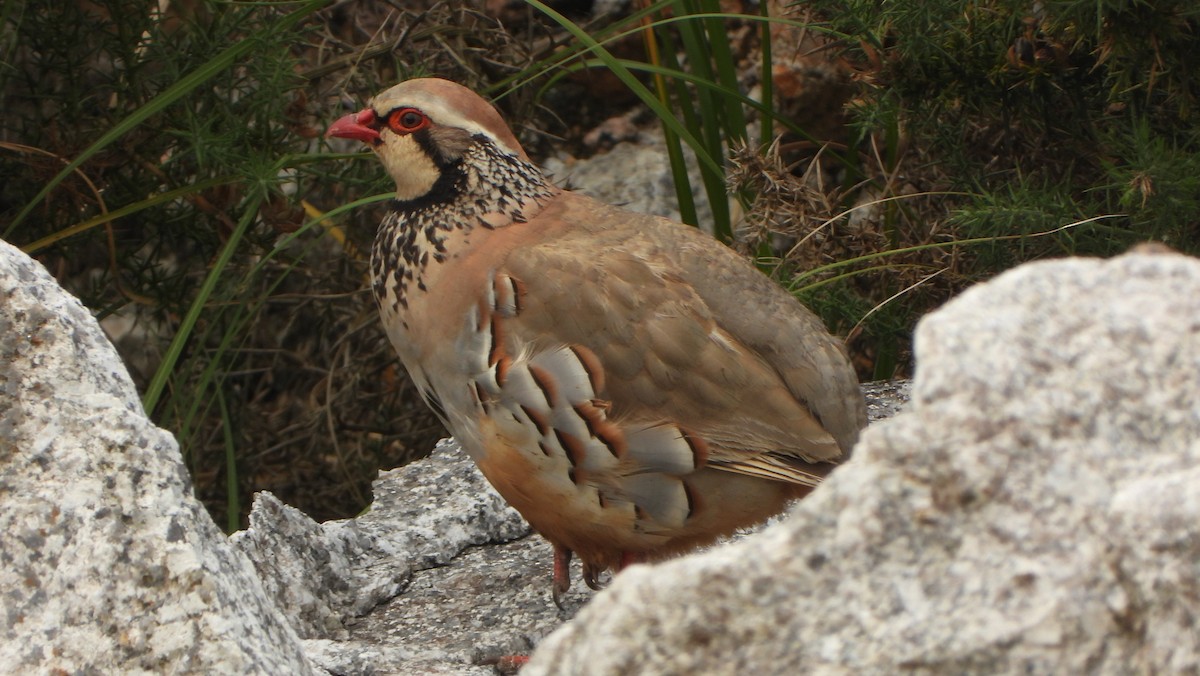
{"x":360,"y":126}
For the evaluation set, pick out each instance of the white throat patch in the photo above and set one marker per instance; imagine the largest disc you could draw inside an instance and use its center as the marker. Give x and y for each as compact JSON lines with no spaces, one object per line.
{"x":407,"y":163}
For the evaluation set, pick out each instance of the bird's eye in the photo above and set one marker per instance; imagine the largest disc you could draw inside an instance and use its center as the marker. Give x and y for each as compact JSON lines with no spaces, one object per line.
{"x":407,"y":120}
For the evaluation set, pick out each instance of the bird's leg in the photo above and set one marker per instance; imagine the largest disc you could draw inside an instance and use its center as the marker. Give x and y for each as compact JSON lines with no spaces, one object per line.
{"x":562,"y":574}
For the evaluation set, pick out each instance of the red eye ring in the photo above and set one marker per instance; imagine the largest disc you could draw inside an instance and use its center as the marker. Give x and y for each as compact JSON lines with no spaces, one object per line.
{"x":407,"y":120}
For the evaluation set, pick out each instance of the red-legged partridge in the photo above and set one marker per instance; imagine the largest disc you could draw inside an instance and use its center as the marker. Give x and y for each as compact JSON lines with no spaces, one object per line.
{"x":631,"y":386}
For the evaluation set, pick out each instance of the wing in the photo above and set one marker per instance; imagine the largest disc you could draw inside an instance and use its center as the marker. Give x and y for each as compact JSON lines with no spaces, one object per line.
{"x":683,"y":371}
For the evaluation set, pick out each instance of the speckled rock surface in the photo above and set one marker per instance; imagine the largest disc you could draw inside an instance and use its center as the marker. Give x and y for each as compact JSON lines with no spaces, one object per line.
{"x":116,"y":569}
{"x":636,"y":176}
{"x":1035,"y":509}
{"x":324,"y":576}
{"x":109,"y":564}
{"x":439,"y":577}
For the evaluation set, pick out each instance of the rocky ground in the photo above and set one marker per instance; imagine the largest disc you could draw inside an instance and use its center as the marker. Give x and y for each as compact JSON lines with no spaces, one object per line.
{"x":1033,"y":508}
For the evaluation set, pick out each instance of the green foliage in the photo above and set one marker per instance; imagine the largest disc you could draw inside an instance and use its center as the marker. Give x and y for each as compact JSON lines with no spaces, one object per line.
{"x":159,"y":169}
{"x":1047,"y":114}
{"x":1155,"y":178}
{"x":715,"y":116}
{"x":1058,"y":128}
{"x":589,"y":46}
{"x":697,"y":94}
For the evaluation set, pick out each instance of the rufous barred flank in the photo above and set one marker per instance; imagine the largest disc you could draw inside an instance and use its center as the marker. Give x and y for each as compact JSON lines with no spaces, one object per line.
{"x":631,"y":386}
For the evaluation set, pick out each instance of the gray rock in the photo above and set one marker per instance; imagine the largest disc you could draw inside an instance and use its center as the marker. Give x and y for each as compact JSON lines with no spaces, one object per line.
{"x":109,"y":564}
{"x":1035,"y":509}
{"x":323,"y":576}
{"x":112,"y":566}
{"x":886,"y":398}
{"x":635,"y":176}
{"x":439,"y":577}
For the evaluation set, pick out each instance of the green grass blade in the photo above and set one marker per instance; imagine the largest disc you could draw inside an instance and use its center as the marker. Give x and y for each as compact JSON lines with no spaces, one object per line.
{"x":708,"y":124}
{"x":163,"y":374}
{"x":797,"y":286}
{"x":233,"y":508}
{"x":692,"y":79}
{"x":766,"y":80}
{"x":622,"y":73}
{"x":611,"y":33}
{"x":680,"y":177}
{"x":161,"y":198}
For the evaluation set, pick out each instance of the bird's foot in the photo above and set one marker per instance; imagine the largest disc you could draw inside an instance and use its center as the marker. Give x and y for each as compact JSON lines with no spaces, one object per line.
{"x":591,"y":577}
{"x":592,"y":574}
{"x":507,"y":664}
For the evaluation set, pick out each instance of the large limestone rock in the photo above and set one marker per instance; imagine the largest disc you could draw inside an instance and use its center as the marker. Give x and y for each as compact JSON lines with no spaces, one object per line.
{"x":112,"y":567}
{"x":438,"y":577}
{"x":1036,"y":509}
{"x":636,"y":175}
{"x":109,"y":564}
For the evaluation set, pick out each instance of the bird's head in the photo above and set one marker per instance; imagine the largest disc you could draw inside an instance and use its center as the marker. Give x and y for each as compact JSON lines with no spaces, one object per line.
{"x":421,"y":130}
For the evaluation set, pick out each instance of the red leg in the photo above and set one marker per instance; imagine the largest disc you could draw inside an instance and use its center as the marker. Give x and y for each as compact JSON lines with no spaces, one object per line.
{"x":511,"y":664}
{"x":562,"y":573}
